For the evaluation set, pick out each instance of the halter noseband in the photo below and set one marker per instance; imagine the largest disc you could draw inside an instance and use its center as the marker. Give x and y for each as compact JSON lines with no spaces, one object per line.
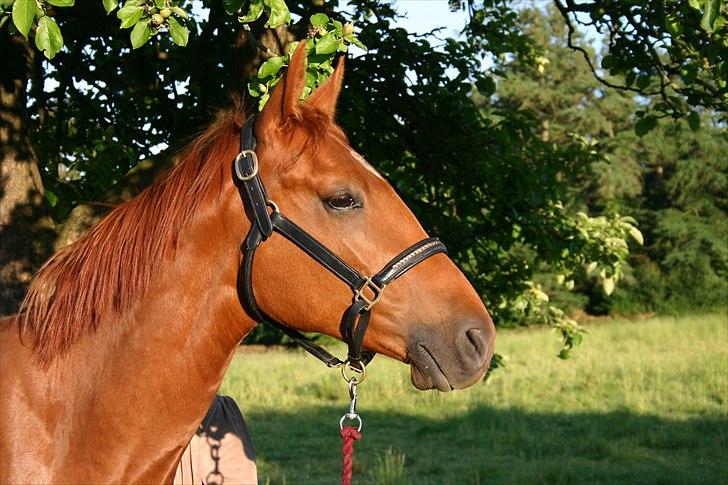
{"x":367,"y":291}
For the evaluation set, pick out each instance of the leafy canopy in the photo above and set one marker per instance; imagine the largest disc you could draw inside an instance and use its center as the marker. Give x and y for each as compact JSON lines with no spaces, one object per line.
{"x":476,"y":171}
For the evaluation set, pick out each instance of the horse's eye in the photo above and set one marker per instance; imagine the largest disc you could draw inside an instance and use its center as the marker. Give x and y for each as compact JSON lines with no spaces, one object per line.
{"x":344,"y":201}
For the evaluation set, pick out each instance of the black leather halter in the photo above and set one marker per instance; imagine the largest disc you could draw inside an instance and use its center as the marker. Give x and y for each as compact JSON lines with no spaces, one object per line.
{"x":367,"y":291}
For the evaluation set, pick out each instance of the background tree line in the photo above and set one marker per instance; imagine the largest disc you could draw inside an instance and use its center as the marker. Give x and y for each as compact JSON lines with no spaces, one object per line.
{"x":533,"y":155}
{"x":674,"y":180}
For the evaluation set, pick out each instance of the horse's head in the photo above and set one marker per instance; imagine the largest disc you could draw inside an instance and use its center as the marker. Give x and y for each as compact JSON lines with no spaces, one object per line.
{"x":431,"y":318}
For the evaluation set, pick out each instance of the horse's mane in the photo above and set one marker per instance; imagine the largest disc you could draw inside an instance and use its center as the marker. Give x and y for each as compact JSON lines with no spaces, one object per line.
{"x":109,"y":268}
{"x":106,"y":271}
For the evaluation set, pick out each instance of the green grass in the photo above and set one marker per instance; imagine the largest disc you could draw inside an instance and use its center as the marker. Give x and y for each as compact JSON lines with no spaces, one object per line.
{"x":640,"y":402}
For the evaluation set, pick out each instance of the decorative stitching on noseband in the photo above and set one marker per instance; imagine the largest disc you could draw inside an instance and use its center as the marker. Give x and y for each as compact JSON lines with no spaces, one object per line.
{"x":414,"y":253}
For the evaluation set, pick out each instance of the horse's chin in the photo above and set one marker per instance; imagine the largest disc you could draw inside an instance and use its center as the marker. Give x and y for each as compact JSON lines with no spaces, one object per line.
{"x":425,"y":380}
{"x":426,"y":373}
{"x":437,"y":370}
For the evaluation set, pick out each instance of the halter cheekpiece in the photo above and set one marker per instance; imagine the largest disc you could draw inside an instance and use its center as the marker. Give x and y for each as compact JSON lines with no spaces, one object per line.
{"x":266,"y":218}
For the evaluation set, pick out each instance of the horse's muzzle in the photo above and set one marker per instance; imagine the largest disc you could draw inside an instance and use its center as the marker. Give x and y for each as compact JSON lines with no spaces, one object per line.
{"x":452,"y":363}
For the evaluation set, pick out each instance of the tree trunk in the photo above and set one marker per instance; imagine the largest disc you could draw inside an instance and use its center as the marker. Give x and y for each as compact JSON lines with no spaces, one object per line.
{"x":84,"y":216}
{"x":26,"y":232}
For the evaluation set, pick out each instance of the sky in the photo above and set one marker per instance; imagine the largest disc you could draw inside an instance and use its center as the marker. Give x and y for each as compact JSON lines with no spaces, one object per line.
{"x":425,"y":15}
{"x":420,"y":15}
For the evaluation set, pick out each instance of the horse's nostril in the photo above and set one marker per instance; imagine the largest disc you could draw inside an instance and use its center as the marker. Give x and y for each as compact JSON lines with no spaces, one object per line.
{"x":477,"y":338}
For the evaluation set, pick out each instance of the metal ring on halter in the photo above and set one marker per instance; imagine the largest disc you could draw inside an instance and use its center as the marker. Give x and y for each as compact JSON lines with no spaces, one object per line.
{"x":273,"y":206}
{"x":353,"y":417}
{"x":359,"y":370}
{"x":254,"y":171}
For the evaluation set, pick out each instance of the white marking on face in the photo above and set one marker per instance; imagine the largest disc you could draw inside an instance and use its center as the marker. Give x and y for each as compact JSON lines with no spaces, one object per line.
{"x":366,"y":164}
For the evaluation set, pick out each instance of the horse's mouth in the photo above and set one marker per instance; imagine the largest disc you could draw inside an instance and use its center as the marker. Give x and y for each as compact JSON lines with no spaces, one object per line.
{"x":425,"y":372}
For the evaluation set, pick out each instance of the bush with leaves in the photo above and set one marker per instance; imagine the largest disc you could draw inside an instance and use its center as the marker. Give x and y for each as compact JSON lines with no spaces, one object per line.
{"x":475,"y":171}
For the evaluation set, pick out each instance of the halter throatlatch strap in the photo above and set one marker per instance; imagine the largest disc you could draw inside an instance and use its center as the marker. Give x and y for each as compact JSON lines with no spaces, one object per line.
{"x":367,"y":291}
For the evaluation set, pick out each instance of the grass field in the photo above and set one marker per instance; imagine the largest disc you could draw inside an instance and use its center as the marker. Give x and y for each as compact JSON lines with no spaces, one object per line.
{"x":640,"y":402}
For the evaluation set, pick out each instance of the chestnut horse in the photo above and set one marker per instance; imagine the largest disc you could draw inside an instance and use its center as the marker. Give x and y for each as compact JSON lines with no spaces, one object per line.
{"x":124,"y":336}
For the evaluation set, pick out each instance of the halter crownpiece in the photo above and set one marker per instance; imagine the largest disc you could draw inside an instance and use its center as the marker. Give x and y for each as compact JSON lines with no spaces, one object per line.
{"x":266,"y":218}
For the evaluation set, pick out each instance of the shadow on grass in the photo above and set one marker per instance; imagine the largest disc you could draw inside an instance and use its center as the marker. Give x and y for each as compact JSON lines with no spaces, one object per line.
{"x":489,"y":445}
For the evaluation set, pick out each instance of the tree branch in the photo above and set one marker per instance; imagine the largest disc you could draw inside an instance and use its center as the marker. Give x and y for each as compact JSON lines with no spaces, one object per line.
{"x":564,"y":11}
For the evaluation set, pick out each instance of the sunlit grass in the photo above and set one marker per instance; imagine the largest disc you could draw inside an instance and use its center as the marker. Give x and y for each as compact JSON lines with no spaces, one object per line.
{"x":640,"y":402}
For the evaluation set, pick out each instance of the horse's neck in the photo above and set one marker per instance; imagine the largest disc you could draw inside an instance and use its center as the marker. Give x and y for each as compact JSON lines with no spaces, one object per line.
{"x":152,"y":377}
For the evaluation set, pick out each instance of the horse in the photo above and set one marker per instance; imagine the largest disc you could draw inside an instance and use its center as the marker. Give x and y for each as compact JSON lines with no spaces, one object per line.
{"x":125,"y":335}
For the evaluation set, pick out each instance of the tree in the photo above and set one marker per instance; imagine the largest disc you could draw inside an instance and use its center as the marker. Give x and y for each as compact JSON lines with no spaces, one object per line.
{"x":673,"y":182}
{"x":674,"y":50}
{"x":479,"y":175}
{"x":682,"y":208}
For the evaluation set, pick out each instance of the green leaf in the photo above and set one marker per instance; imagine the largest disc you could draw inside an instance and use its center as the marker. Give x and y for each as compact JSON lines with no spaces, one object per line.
{"x":61,"y":3}
{"x":279,"y":13}
{"x":643,"y":81}
{"x":263,"y":100}
{"x":673,"y":26}
{"x":254,"y":88}
{"x":637,"y":235}
{"x":292,"y":47}
{"x":23,"y":15}
{"x":689,"y":73}
{"x":327,"y":44}
{"x":179,"y":33}
{"x":180,"y":12}
{"x":645,"y":125}
{"x":110,"y":5}
{"x":129,"y":15}
{"x":319,"y":19}
{"x":629,"y":78}
{"x":354,"y":40}
{"x":710,"y":15}
{"x":48,"y":37}
{"x":486,"y":85}
{"x":694,"y":121}
{"x":608,"y":286}
{"x":607,"y":62}
{"x":255,"y":11}
{"x":232,"y":6}
{"x":696,"y":4}
{"x":140,"y":34}
{"x":311,"y":77}
{"x":271,"y":66}
{"x":51,"y":197}
{"x":576,"y":339}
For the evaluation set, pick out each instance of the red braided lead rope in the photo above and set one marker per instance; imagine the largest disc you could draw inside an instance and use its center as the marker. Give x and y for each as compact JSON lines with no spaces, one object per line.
{"x":349,"y":435}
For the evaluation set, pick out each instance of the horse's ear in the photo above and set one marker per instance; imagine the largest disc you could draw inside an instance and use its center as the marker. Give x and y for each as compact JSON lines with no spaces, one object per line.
{"x":324,"y":98}
{"x":284,"y":100}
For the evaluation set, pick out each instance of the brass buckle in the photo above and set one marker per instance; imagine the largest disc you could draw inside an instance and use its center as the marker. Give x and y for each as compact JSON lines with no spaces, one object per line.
{"x":254,"y":171}
{"x":376,"y":290}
